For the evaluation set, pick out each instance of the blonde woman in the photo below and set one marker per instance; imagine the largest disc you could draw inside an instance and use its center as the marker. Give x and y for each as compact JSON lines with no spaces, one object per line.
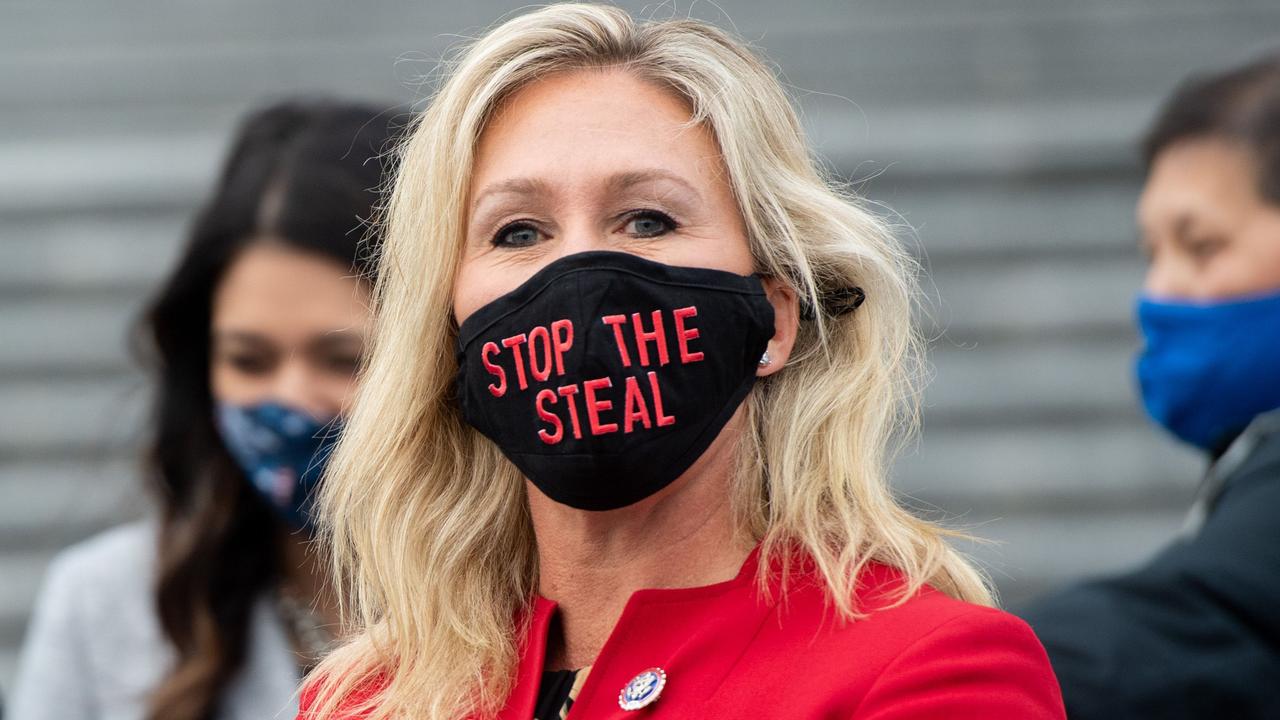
{"x":622,"y":440}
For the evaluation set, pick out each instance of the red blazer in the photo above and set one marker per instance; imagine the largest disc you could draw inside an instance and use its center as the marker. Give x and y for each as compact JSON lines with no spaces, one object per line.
{"x":729,"y":653}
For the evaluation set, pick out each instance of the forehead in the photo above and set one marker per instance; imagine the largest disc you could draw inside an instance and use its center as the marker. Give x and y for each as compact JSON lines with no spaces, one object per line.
{"x":577,"y":125}
{"x":271,"y":287}
{"x":1203,"y":177}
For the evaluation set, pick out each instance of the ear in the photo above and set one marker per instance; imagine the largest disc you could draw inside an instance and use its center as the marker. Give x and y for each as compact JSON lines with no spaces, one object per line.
{"x":786,"y":323}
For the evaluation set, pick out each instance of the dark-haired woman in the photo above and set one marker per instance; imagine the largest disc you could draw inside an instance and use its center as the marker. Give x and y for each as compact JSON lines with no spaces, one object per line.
{"x":213,"y":609}
{"x":1196,"y":633}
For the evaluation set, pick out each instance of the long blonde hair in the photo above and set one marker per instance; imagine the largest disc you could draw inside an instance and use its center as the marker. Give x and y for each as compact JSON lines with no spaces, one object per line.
{"x":428,"y":523}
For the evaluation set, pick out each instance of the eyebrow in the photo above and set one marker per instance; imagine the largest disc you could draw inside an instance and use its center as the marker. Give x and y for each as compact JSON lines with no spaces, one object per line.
{"x":515,"y":186}
{"x":329,"y":340}
{"x":240,"y":336}
{"x":337,"y":340}
{"x":624,"y":181}
{"x":616,"y":183}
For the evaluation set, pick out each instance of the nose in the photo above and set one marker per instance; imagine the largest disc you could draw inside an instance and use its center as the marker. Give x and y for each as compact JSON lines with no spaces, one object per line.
{"x":296,"y":386}
{"x":581,"y":235}
{"x":1169,"y":278}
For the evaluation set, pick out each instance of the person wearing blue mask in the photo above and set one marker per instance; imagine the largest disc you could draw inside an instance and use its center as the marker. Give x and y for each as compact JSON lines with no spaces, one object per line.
{"x":1196,"y":632}
{"x":213,"y":607}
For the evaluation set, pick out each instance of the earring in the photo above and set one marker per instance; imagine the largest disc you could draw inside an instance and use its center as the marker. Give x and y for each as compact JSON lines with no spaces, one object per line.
{"x":765,"y":359}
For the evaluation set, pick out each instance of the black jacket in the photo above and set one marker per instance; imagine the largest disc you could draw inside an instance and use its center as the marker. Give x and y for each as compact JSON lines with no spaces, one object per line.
{"x":1195,"y":633}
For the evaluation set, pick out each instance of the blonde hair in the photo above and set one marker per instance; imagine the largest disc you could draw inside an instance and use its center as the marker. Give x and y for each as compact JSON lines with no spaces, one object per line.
{"x":428,"y":522}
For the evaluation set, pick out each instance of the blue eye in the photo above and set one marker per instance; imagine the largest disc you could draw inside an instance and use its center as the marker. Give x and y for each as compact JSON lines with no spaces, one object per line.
{"x":517,"y":234}
{"x":649,"y":223}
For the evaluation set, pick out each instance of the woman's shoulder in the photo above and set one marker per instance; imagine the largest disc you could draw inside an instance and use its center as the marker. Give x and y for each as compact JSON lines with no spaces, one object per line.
{"x":940,"y":651}
{"x":924,"y":618}
{"x":100,"y":591}
{"x":93,"y":640}
{"x":101,"y":588}
{"x":928,"y":610}
{"x":117,"y":565}
{"x":353,"y":705}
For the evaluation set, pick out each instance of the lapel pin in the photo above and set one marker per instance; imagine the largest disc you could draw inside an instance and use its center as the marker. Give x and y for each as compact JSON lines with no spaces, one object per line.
{"x":643,"y":689}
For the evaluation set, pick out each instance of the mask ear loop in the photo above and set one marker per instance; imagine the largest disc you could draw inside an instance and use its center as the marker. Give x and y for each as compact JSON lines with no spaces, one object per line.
{"x":840,"y":301}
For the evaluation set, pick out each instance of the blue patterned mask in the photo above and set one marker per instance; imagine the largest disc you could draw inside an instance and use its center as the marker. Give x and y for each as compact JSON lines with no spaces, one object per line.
{"x":283,"y":452}
{"x":1209,"y":368}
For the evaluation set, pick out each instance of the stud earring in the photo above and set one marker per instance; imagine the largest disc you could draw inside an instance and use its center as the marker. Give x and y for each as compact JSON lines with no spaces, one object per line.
{"x":765,"y":359}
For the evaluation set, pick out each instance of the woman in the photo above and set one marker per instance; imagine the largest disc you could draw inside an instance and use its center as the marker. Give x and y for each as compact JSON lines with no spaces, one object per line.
{"x":215,"y":608}
{"x":622,"y":437}
{"x":1196,"y":632}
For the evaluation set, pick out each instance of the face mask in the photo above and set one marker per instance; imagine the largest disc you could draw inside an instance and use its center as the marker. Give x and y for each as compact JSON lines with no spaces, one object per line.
{"x":1208,"y":369}
{"x":283,"y":453}
{"x":605,"y":375}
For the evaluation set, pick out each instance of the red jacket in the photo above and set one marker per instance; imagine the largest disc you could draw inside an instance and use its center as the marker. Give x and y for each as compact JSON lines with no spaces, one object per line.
{"x":728,"y":653}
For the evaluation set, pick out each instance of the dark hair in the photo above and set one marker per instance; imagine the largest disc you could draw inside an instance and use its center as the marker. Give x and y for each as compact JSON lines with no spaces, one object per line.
{"x":1240,"y":104}
{"x":305,"y":174}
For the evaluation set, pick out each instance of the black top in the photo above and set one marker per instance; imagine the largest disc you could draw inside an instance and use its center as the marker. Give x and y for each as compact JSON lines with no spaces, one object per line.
{"x":557,"y":692}
{"x":1195,"y":633}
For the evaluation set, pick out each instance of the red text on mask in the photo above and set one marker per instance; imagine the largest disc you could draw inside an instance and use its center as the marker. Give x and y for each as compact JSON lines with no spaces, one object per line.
{"x":655,"y":336}
{"x":544,"y":346}
{"x":598,"y":398}
{"x":602,"y":405}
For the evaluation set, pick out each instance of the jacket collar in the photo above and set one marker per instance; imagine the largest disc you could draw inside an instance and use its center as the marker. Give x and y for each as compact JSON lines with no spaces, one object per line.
{"x":1263,"y":431}
{"x":665,"y":610}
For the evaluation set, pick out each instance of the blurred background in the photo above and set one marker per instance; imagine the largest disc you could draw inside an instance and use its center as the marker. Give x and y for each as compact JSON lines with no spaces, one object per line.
{"x":1001,"y":131}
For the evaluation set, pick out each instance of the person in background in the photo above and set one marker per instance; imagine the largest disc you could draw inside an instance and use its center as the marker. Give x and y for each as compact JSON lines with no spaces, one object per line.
{"x":214,"y":608}
{"x":1196,"y":633}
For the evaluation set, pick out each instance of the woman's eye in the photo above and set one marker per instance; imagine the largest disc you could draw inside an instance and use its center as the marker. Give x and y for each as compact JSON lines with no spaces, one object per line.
{"x":250,"y":364}
{"x":516,"y":235}
{"x":649,"y":223}
{"x":342,"y":364}
{"x":1202,"y":250}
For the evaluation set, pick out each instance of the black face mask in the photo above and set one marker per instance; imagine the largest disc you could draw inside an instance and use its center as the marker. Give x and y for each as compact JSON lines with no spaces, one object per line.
{"x":605,"y":375}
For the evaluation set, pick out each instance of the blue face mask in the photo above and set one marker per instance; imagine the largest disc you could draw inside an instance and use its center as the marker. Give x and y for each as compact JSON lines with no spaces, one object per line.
{"x":283,"y":453}
{"x":1209,"y":368}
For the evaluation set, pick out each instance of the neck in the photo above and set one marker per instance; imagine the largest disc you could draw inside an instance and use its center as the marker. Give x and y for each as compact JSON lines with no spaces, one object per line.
{"x":305,"y":576}
{"x":591,"y":562}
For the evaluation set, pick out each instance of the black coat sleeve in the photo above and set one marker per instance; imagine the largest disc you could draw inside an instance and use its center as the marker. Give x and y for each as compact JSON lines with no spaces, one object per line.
{"x":1195,"y":633}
